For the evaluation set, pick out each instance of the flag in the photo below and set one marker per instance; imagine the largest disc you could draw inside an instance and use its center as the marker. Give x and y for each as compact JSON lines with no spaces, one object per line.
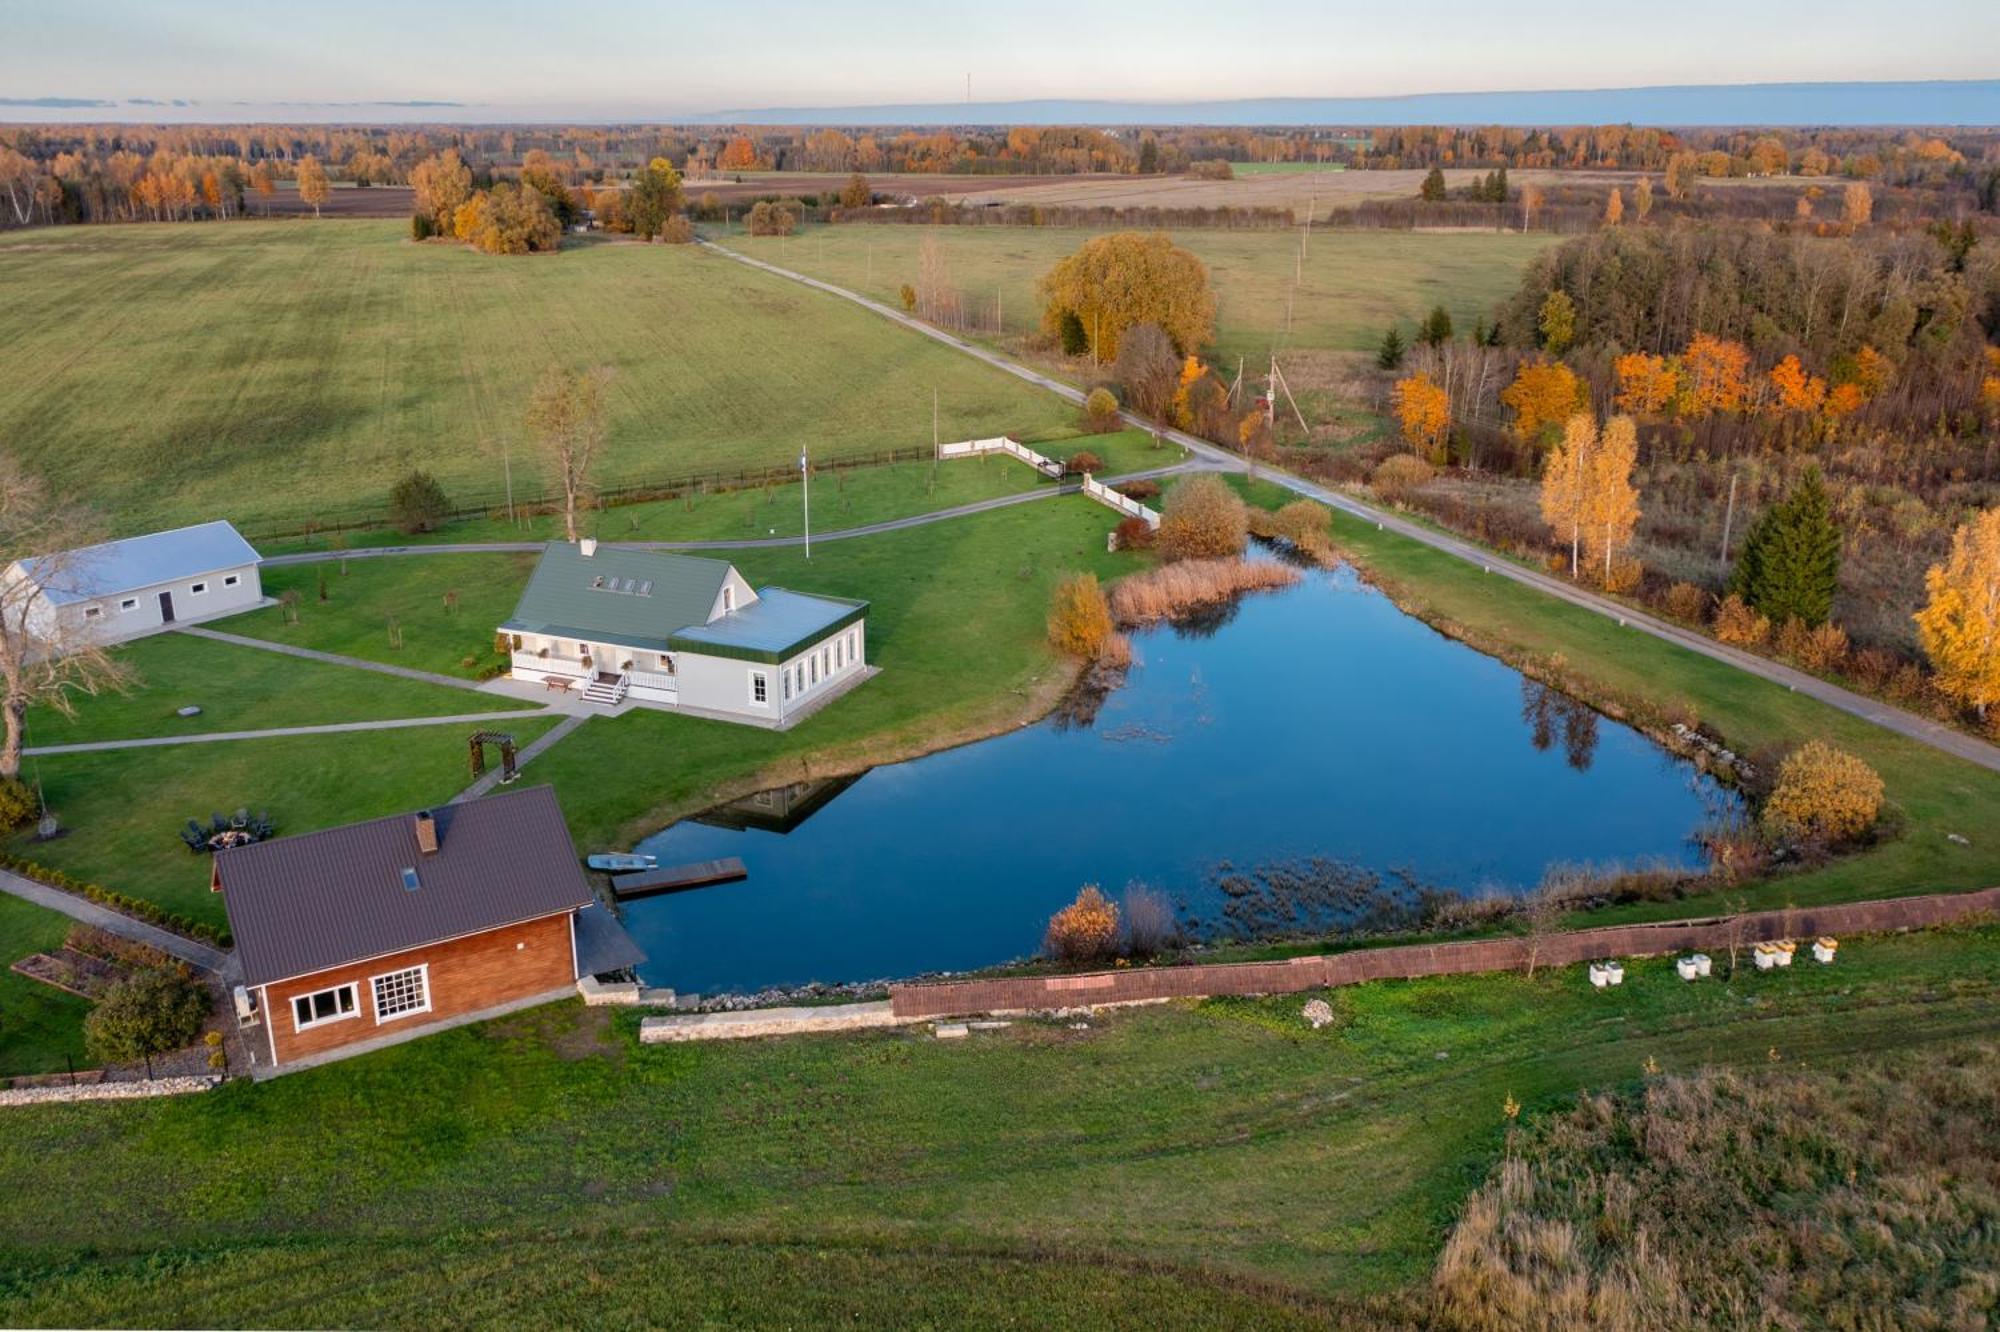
{"x":802,"y":460}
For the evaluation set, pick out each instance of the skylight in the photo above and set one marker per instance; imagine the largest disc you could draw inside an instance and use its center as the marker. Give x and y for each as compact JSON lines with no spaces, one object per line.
{"x":410,"y":884}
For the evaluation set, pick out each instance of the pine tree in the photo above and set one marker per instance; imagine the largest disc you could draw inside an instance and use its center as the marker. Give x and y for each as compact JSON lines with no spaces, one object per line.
{"x":1433,"y":186}
{"x":1500,"y":185}
{"x":1390,"y":355}
{"x":1790,"y":565}
{"x":1436,"y":328}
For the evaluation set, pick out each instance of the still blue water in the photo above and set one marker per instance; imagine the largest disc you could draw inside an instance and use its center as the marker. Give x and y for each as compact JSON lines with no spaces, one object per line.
{"x":1318,"y":721}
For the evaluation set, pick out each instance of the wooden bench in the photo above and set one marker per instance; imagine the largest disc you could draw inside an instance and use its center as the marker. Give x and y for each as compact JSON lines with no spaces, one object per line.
{"x":562,"y":684}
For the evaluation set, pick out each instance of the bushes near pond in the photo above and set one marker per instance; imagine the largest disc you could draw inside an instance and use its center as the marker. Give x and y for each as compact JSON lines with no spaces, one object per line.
{"x":1079,"y":617}
{"x":1202,"y":518}
{"x":1823,"y":797}
{"x":1175,"y":589}
{"x":1085,"y":931}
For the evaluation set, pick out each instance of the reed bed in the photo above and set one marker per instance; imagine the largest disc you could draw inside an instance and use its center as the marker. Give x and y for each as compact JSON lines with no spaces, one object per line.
{"x":1175,"y":589}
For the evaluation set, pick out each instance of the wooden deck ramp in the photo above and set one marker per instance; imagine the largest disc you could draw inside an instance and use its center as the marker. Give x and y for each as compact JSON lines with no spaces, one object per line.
{"x":675,"y":878}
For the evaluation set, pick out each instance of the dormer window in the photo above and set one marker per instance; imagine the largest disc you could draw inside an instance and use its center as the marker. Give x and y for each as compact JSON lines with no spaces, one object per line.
{"x":728,"y":599}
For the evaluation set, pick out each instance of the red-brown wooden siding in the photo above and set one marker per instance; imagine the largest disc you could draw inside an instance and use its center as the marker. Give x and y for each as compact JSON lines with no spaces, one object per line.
{"x":466,"y":975}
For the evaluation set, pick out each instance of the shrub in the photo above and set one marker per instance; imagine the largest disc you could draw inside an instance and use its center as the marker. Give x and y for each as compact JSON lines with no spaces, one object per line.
{"x":1873,"y":667}
{"x":417,"y":503}
{"x":1399,"y":474}
{"x":1149,"y":921}
{"x":1624,"y":574}
{"x":1079,"y":616}
{"x":771,"y":219}
{"x":1308,"y":525}
{"x":18,"y":804}
{"x":677,"y":230}
{"x":1685,"y":601}
{"x":148,"y":1013}
{"x":1211,"y":169}
{"x":1134,"y":534}
{"x":1083,"y":462}
{"x":1177,"y":588}
{"x":1085,"y":931}
{"x":1823,"y":797}
{"x":1100,"y":411}
{"x":1202,"y":518}
{"x":907,"y":294}
{"x":1824,"y":648}
{"x":1070,"y":331}
{"x":1736,"y":623}
{"x":1144,"y":488}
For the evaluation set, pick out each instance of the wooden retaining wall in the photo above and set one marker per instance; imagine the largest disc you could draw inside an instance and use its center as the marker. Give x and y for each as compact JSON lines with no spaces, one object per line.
{"x":1011,"y":994}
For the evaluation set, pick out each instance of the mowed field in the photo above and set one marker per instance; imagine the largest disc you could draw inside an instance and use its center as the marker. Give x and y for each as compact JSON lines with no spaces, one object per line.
{"x":1352,"y":284}
{"x":1276,"y":185}
{"x":283,"y":371}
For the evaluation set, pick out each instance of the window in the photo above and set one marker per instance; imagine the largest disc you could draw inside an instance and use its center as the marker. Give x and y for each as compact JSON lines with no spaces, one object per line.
{"x":402,"y":993}
{"x":836,"y":654}
{"x":130,"y":603}
{"x":788,"y":684}
{"x":760,"y":688}
{"x":231,"y":581}
{"x":854,"y":645}
{"x":322,"y":1006}
{"x":410,"y":880}
{"x":197,"y":588}
{"x":813,"y":664}
{"x":92,"y":612}
{"x":728,"y":599}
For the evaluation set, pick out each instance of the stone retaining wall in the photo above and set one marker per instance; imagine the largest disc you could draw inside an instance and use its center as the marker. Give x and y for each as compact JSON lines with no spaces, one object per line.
{"x":747,"y":1022}
{"x":108,"y":1091}
{"x":1016,"y":994}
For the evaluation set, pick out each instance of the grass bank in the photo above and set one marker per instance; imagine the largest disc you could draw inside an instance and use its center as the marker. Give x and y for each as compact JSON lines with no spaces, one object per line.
{"x":40,"y":1025}
{"x":1195,"y":1147}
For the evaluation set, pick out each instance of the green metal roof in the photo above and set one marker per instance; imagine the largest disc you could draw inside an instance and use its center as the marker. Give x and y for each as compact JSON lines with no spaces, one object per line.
{"x":772,"y":628}
{"x":636,"y":598}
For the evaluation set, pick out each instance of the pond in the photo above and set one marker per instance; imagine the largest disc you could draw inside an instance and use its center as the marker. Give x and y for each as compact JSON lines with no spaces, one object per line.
{"x":1315,"y":734}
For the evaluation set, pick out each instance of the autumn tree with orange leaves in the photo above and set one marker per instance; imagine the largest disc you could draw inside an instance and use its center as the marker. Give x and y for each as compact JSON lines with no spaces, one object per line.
{"x":1794,"y":390}
{"x":1717,"y":374}
{"x":1543,"y":396}
{"x":739,"y":155}
{"x":1647,"y":384}
{"x":313,"y":185}
{"x":1587,"y":496}
{"x":1423,"y":409}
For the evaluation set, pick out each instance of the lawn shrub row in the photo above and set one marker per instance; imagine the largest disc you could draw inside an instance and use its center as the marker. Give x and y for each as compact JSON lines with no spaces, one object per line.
{"x":131,"y":906}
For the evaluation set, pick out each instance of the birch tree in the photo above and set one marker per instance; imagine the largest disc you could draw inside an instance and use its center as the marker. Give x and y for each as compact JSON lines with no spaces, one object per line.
{"x":1566,"y":483}
{"x":567,"y":420}
{"x":1610,"y":503}
{"x":1959,"y":626}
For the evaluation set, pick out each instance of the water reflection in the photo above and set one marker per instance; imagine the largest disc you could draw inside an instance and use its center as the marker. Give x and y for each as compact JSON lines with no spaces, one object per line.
{"x":1316,"y":729}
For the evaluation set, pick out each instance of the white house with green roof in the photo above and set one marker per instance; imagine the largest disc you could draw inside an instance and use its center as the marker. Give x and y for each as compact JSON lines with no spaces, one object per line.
{"x":675,"y":631}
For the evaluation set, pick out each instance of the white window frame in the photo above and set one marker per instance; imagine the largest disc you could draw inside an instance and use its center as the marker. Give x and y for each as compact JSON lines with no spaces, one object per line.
{"x":423,"y":970}
{"x":728,"y":598}
{"x":198,"y":589}
{"x":786,"y":676}
{"x":353,"y":1010}
{"x":92,"y":612}
{"x":128,"y":604}
{"x":231,"y":580}
{"x":812,"y":666}
{"x":760,"y":680}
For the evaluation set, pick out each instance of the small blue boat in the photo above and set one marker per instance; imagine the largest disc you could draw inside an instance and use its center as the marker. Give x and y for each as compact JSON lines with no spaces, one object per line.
{"x":621,"y":862}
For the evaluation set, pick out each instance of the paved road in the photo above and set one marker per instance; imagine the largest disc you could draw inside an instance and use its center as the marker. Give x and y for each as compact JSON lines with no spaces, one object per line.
{"x":329,"y":728}
{"x":113,"y":922}
{"x":1909,"y":724}
{"x":740,"y":543}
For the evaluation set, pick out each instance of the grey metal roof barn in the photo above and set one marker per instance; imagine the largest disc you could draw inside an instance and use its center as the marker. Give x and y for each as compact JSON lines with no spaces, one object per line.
{"x":302,"y":904}
{"x":630,"y":597}
{"x":90,"y":572}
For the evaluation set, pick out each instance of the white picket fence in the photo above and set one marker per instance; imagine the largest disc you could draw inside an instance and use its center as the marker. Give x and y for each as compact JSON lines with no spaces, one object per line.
{"x":1125,"y":504}
{"x":1095,"y":489}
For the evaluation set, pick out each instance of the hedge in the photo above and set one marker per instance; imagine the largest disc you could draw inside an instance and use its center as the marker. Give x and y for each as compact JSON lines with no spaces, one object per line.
{"x":150,"y":912}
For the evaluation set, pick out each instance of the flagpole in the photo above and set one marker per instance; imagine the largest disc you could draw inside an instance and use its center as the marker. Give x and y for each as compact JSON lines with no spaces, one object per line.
{"x":805,"y":489}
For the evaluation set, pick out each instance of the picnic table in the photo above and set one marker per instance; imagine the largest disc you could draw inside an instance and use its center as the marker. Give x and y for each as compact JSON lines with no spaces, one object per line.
{"x":562,"y":684}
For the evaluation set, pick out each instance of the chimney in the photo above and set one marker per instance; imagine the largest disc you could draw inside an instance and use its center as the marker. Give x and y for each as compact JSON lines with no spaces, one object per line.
{"x":427,"y":833}
{"x":588,"y":545}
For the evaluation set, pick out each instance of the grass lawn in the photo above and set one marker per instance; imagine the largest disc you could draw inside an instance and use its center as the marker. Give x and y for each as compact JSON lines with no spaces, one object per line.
{"x":275,"y":372}
{"x":854,"y":497}
{"x":124,"y":808}
{"x":1219,"y":1160}
{"x":39,"y":1024}
{"x":1931,"y":794}
{"x":240,"y":689}
{"x":956,"y":623}
{"x":1355,"y":283}
{"x":354,"y":619}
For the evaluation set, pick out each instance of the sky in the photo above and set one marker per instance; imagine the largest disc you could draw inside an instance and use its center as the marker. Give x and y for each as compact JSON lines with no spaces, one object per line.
{"x":624,"y":59}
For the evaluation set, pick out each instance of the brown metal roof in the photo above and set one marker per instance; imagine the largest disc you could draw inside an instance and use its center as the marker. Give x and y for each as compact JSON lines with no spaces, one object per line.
{"x":318,"y":900}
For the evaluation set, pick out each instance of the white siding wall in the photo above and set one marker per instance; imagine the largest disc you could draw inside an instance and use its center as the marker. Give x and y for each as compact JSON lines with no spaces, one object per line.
{"x":113,"y":623}
{"x":849,"y":648}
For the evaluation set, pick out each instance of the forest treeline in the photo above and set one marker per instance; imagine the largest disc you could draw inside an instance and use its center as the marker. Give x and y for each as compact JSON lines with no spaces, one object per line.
{"x":83,"y":173}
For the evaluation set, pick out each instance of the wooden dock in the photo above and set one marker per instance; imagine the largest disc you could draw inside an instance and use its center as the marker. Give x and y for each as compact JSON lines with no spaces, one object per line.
{"x":677,"y":878}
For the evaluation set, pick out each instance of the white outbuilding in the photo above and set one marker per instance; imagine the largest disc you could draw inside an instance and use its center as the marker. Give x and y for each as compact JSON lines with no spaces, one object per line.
{"x":138,"y":585}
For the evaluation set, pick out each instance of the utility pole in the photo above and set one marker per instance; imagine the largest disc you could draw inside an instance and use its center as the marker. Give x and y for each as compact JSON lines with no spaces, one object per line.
{"x":1728,"y":517}
{"x":935,"y":444}
{"x":805,"y":493}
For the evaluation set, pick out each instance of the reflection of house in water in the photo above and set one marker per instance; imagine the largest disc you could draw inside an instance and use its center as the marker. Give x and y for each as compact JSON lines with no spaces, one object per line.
{"x":779,"y":810}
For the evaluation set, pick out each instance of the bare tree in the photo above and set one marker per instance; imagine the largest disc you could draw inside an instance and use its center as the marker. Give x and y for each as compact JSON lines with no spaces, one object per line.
{"x":1543,"y":910}
{"x":567,"y":418}
{"x":48,"y":655}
